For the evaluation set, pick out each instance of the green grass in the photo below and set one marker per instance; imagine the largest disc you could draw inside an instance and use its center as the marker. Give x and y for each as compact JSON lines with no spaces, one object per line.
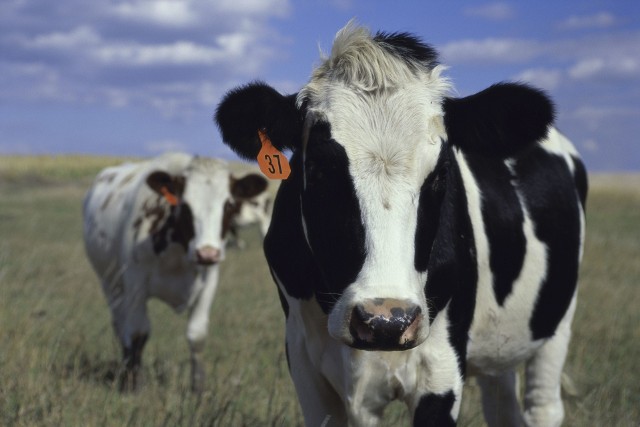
{"x":59,"y":358}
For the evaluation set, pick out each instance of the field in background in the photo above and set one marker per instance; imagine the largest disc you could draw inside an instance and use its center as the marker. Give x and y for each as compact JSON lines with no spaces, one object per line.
{"x":58,"y":355}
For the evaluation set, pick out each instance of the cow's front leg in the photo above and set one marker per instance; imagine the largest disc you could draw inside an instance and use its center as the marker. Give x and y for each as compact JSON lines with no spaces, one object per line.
{"x":132,"y":356}
{"x":440,"y":378}
{"x":198,"y":324}
{"x":437,"y":410}
{"x":321,"y":405}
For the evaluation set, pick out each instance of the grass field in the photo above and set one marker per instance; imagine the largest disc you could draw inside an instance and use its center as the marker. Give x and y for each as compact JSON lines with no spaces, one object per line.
{"x":58,"y":355}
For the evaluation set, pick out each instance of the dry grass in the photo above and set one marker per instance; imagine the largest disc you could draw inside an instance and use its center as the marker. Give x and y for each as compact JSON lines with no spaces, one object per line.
{"x":58,"y":356}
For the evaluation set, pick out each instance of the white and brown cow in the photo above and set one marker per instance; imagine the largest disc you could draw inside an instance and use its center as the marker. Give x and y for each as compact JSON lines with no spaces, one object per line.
{"x":157,"y":229}
{"x":420,"y":238}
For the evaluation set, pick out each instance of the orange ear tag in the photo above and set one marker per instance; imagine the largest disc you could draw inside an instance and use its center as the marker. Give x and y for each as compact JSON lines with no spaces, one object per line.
{"x":173,"y":200}
{"x":273,"y":164}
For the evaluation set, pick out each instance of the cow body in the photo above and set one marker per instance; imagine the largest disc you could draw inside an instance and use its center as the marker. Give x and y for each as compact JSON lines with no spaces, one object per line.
{"x":420,"y":238}
{"x":157,"y":229}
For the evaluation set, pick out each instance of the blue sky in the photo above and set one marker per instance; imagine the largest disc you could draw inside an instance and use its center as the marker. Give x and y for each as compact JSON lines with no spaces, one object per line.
{"x":138,"y":77}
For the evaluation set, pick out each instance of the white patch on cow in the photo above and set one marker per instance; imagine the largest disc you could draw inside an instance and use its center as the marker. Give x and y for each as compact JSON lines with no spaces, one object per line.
{"x":389,"y":119}
{"x":496,"y":341}
{"x":556,"y":143}
{"x":206,"y":191}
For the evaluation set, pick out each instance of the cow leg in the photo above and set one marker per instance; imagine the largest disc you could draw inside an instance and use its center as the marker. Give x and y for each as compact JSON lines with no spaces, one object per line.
{"x":132,"y":356}
{"x":437,"y":400}
{"x":542,"y":400}
{"x":321,"y":405}
{"x":435,"y":410}
{"x":500,"y":399}
{"x":198,"y":325}
{"x":133,"y":333}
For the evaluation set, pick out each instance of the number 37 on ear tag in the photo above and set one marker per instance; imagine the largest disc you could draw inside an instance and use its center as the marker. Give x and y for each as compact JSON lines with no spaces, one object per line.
{"x":272,"y":162}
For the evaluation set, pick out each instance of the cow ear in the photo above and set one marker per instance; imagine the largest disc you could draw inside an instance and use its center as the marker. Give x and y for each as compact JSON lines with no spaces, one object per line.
{"x":169,"y":186}
{"x":248,"y":186}
{"x":499,"y":121}
{"x":257,"y":106}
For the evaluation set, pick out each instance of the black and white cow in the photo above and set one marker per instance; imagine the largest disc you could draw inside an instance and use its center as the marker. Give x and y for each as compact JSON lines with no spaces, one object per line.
{"x":420,"y":238}
{"x":157,"y":229}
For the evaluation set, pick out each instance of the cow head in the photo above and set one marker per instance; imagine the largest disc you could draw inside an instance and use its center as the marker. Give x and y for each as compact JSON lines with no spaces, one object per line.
{"x":374,"y":137}
{"x":202,"y":203}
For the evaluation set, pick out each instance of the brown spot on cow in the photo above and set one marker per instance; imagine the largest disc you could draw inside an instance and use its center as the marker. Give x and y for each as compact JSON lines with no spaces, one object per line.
{"x":106,"y":201}
{"x":107,"y":177}
{"x":126,"y":179}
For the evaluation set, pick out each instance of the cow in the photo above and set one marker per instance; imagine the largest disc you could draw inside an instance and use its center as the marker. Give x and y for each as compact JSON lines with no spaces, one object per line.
{"x":420,"y":238}
{"x":157,"y":228}
{"x":255,"y":211}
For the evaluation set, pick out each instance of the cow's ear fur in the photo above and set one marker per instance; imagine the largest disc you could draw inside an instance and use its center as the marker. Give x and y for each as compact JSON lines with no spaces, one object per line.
{"x":248,"y":186}
{"x":169,"y":186}
{"x":499,"y":121}
{"x":247,"y":109}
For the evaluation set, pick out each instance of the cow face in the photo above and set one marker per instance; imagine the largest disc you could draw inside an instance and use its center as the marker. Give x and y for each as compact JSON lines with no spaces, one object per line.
{"x":365,"y":161}
{"x":202,"y":200}
{"x":377,"y":198}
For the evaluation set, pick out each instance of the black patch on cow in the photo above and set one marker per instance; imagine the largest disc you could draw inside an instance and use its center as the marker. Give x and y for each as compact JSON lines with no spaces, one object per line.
{"x":452,"y":271}
{"x":248,"y":186}
{"x":581,"y":180}
{"x":283,"y":300}
{"x":285,"y":247}
{"x":429,"y":206}
{"x":435,"y":410}
{"x":408,"y":47}
{"x":549,"y":191}
{"x":499,"y":121}
{"x":503,"y":221}
{"x":230,"y":211}
{"x":178,"y":228}
{"x":332,"y":215}
{"x":247,"y":109}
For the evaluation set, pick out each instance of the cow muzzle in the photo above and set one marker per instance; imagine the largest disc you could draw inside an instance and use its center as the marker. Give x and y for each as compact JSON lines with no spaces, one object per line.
{"x":385,"y":324}
{"x":208,"y":255}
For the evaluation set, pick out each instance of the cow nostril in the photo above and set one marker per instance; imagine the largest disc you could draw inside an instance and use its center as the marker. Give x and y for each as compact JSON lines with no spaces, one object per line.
{"x":385,"y":325}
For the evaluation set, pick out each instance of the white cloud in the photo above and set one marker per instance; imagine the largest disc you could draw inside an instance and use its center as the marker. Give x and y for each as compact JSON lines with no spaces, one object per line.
{"x":490,"y":50}
{"x":599,"y":20}
{"x":79,"y":37}
{"x":545,"y":78}
{"x":587,"y":68}
{"x":254,"y":7}
{"x":177,"y":53}
{"x":163,"y":12}
{"x":597,"y":67}
{"x":498,"y":11}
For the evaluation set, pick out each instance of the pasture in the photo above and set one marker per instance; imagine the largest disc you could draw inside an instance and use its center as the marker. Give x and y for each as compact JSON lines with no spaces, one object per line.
{"x":59,"y":358}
